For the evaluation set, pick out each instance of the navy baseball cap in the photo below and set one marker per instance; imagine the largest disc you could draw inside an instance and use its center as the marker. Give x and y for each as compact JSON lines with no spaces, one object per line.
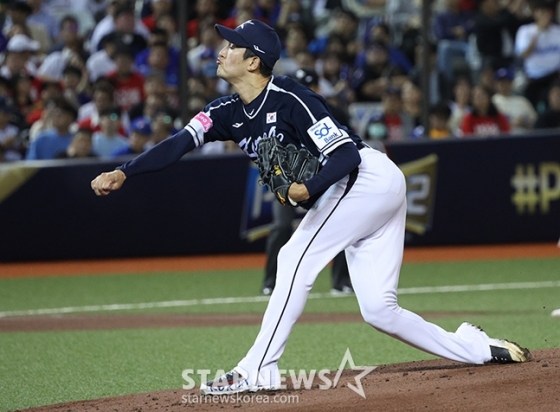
{"x":257,"y":36}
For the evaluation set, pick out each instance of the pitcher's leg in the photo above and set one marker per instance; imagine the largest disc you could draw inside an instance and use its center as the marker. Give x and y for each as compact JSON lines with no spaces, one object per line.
{"x":299,"y":262}
{"x":374,"y":265}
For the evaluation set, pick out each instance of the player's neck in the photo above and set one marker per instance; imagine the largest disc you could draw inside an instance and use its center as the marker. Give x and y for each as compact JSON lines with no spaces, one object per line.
{"x":249,"y":91}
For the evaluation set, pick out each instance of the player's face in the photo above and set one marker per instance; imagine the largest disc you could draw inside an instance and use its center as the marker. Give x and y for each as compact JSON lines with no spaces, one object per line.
{"x":231,"y":64}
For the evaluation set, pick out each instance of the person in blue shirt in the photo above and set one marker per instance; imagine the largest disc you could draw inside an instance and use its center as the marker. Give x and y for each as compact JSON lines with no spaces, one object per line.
{"x":48,"y":144}
{"x":140,"y":135}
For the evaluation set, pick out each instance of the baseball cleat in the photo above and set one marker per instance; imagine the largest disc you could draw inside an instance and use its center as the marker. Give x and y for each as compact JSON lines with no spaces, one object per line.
{"x":504,"y":351}
{"x":234,"y":381}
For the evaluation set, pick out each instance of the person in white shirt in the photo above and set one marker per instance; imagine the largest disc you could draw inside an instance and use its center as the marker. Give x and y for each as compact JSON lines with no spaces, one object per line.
{"x":538,"y":45}
{"x":518,"y":109}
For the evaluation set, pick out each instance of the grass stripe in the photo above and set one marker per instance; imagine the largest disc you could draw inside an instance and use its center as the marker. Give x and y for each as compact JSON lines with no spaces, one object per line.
{"x":256,"y":299}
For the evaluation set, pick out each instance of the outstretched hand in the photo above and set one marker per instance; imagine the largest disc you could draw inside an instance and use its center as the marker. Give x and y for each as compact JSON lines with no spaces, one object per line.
{"x":105,"y":183}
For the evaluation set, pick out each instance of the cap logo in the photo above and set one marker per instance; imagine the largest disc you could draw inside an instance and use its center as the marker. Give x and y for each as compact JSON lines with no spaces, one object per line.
{"x":242,"y":25}
{"x":257,"y":48}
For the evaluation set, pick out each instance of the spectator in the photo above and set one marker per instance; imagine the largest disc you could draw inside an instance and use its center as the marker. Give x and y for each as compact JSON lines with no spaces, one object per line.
{"x":41,"y":17}
{"x":412,"y":108}
{"x":80,"y":146}
{"x":24,"y":94}
{"x":519,"y":111}
{"x":381,"y":32}
{"x":49,"y":90}
{"x":438,"y":118}
{"x":334,"y":79}
{"x":403,"y":17}
{"x":439,"y":87}
{"x":108,"y":139}
{"x":162,"y":128}
{"x":159,"y":62}
{"x":74,"y":83}
{"x":485,"y":119}
{"x":205,"y":11}
{"x":69,"y":37}
{"x":53,"y":141}
{"x":538,"y":45}
{"x":207,"y":49}
{"x":107,"y":25}
{"x":140,"y":135}
{"x":168,"y":23}
{"x":17,"y":14}
{"x":10,"y":145}
{"x":128,"y":83}
{"x":452,"y":29}
{"x":296,"y":41}
{"x":102,"y":98}
{"x":377,"y":74}
{"x":44,"y":122}
{"x":391,"y":124}
{"x":492,"y":24}
{"x":158,"y":36}
{"x":124,"y":30}
{"x":344,"y":24}
{"x":460,"y":104}
{"x":153,"y":104}
{"x":54,"y":64}
{"x":101,"y":63}
{"x":154,"y":85}
{"x":20,"y":50}
{"x":158,"y":8}
{"x":550,"y":119}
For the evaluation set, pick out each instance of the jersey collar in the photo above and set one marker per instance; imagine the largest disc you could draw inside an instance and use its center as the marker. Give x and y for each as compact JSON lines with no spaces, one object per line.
{"x":252,"y":109}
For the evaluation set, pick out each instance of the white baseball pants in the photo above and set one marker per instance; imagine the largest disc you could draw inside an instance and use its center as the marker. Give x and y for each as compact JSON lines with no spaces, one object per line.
{"x":365,"y":215}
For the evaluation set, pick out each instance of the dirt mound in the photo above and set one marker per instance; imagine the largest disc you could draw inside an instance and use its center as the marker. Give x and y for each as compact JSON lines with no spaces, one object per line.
{"x":434,"y":385}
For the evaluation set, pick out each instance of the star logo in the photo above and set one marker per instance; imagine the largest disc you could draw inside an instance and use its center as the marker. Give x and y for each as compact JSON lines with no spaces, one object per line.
{"x":358,"y":388}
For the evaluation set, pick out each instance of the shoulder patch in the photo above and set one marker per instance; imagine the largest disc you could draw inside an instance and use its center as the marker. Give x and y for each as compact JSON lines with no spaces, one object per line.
{"x":324,"y":133}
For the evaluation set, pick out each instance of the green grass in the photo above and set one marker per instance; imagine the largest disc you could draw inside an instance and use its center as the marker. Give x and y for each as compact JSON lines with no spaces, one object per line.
{"x":39,"y":368}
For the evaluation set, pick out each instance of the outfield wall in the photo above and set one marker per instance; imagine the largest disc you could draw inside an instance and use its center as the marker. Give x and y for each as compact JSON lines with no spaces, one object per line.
{"x":477,"y":191}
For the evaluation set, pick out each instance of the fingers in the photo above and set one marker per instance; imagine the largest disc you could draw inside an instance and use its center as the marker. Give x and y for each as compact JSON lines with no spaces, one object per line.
{"x":103,"y":184}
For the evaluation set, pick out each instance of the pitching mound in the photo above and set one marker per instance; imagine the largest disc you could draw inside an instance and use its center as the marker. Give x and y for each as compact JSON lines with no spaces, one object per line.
{"x":435,"y":385}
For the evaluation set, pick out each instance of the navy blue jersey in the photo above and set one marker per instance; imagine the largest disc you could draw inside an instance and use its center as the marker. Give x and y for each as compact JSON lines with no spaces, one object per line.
{"x":285,"y":109}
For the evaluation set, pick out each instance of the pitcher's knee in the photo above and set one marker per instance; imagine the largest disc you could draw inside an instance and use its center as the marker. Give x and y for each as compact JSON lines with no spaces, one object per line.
{"x":382,"y":316}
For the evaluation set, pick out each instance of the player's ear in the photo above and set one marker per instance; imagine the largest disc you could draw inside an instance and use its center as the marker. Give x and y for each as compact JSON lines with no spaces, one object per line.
{"x":254,"y":63}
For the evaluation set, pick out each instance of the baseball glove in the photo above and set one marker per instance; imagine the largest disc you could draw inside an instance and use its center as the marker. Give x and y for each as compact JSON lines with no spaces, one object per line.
{"x":280,"y":166}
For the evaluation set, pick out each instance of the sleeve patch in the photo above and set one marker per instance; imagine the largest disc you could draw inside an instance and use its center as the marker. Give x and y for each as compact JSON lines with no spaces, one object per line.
{"x":204,"y":120}
{"x":325,"y":133}
{"x":199,"y":125}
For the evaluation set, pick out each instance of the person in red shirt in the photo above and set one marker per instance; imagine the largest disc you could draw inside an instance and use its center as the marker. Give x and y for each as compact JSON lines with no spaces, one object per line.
{"x":485,"y":119}
{"x":128,"y":83}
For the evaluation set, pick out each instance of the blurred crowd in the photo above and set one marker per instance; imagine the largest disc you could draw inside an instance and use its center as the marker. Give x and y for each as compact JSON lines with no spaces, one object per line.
{"x":101,"y":78}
